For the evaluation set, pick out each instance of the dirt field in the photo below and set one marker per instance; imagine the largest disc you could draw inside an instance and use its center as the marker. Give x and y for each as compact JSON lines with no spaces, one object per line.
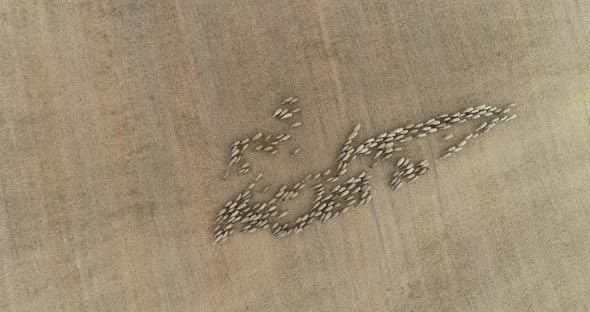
{"x":116,"y":118}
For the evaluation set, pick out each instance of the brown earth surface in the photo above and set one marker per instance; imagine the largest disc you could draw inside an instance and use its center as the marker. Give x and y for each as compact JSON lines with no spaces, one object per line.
{"x":116,"y":118}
